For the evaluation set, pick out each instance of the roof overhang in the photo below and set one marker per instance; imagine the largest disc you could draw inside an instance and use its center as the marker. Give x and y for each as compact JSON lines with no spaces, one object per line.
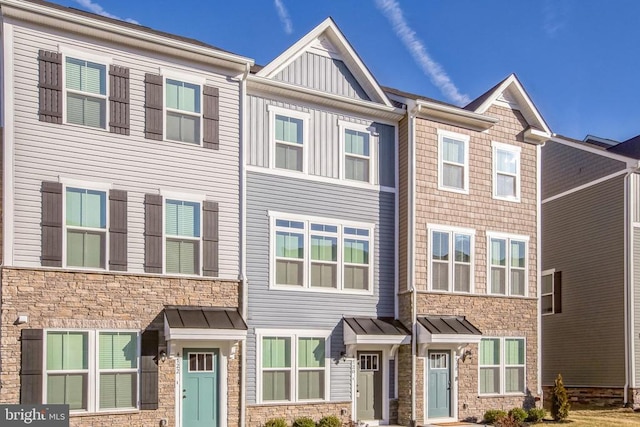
{"x":42,"y":14}
{"x":203,"y":324}
{"x":447,"y":330}
{"x":454,"y":116}
{"x":536,"y":136}
{"x":257,"y":84}
{"x":376,"y":331}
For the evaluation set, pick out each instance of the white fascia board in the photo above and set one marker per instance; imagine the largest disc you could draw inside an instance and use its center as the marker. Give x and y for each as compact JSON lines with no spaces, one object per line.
{"x":630,"y":161}
{"x":455,"y":115}
{"x":90,"y":22}
{"x":261,"y":84}
{"x":426,"y":337}
{"x":182,"y":334}
{"x":349,"y":56}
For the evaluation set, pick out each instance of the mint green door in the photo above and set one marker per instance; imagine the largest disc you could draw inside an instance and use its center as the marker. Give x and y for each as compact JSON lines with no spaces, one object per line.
{"x":200,"y":387}
{"x":369,"y":386}
{"x":439,"y":378}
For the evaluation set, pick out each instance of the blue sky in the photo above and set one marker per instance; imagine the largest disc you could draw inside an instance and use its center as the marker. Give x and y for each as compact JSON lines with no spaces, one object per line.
{"x":578,"y":59}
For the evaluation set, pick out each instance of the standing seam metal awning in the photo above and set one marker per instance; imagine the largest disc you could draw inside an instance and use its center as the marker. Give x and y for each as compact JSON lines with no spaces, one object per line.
{"x":447,"y":329}
{"x":375,"y":330}
{"x":203,"y":323}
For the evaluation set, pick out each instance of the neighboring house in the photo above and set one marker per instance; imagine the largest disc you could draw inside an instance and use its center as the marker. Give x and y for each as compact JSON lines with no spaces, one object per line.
{"x":321,"y":183}
{"x":468,"y":254}
{"x":590,"y":274}
{"x":121,"y":239}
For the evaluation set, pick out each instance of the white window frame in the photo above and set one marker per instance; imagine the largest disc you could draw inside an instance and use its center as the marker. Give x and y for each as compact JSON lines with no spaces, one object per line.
{"x":551,"y":294}
{"x":498,"y":146}
{"x":93,"y":186}
{"x":503,"y":366}
{"x":508,"y":238}
{"x":93,"y":370}
{"x":308,"y":220}
{"x":343,"y":127}
{"x":182,"y":197}
{"x":294,"y":335}
{"x":168,"y":74}
{"x":68,"y":52}
{"x":295,"y":114}
{"x":458,"y":137}
{"x":452,"y":231}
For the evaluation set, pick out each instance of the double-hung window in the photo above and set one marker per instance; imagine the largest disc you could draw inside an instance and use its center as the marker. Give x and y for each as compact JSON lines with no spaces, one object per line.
{"x":182,"y":236}
{"x":293,"y":366}
{"x":86,"y":92}
{"x":92,"y":370}
{"x":451,"y":259}
{"x":183,"y":107}
{"x":506,"y":172}
{"x":357,"y":147}
{"x":502,"y":366}
{"x":86,"y":227}
{"x":453,"y":161}
{"x":288,"y":138}
{"x":321,"y":254}
{"x":508,"y":264}
{"x":550,"y":294}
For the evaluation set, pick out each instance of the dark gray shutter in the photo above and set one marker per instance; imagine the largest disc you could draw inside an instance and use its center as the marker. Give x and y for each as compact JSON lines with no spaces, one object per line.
{"x":149,"y":370}
{"x":118,"y":100}
{"x":118,"y":230}
{"x":153,"y":107}
{"x":557,"y":292}
{"x":50,"y":86}
{"x":31,"y":354}
{"x":153,"y":233}
{"x":51,"y":224}
{"x":210,"y":239}
{"x":211,"y":119}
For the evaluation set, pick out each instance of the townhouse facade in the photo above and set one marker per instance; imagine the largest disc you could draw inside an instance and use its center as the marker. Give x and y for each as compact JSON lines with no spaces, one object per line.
{"x":189,"y":239}
{"x":121,"y":242}
{"x":590,"y":208}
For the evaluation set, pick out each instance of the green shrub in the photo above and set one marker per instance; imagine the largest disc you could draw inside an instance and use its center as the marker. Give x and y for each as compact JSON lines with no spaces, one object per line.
{"x":518,"y":413}
{"x":508,"y":421}
{"x":559,"y":400}
{"x":276,"y":422}
{"x":535,"y":415}
{"x":330,"y":421}
{"x":493,"y":415}
{"x":304,"y":422}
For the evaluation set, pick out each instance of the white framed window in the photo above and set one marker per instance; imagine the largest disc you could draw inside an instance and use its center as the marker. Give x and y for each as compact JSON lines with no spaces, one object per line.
{"x":182,"y":240}
{"x":546,"y":292}
{"x":86,"y":225}
{"x":92,"y":370}
{"x":85,"y":83}
{"x":502,"y":366}
{"x":451,"y":259}
{"x":321,"y":254}
{"x":453,"y":162}
{"x":506,"y":172}
{"x":356,"y":146}
{"x":507,"y":264}
{"x":293,"y":365}
{"x":183,"y":111}
{"x":288,"y":138}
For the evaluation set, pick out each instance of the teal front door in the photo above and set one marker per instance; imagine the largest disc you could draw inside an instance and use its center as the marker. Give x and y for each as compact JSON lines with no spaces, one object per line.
{"x":200,"y":387}
{"x":439,"y":382}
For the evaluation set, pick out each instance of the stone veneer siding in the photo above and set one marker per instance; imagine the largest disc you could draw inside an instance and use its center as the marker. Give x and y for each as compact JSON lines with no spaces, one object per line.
{"x":596,"y":396}
{"x":495,"y":316}
{"x":67,"y":299}
{"x":257,"y":415}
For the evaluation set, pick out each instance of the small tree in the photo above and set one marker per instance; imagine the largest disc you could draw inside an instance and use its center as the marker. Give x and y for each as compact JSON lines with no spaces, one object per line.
{"x":559,"y":401}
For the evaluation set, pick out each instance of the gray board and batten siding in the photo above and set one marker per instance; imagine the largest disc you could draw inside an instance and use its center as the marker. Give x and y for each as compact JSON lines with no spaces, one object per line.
{"x":275,"y":308}
{"x":47,"y":151}
{"x":565,"y":167}
{"x":583,"y":235}
{"x":324,"y":140}
{"x":322,"y":73}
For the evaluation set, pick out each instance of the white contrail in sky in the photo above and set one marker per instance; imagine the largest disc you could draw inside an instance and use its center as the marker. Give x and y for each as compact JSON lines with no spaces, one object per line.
{"x":284,"y":16}
{"x":97,"y":9}
{"x":437,"y":74}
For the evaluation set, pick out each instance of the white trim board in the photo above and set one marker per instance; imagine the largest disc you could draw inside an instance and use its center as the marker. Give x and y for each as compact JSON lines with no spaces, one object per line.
{"x":587,"y":185}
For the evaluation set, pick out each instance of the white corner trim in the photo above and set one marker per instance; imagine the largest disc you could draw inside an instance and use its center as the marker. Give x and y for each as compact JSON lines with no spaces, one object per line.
{"x":587,"y":185}
{"x":8,"y":112}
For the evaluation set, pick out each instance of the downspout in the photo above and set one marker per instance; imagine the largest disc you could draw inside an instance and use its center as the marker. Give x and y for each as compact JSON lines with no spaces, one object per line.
{"x":411,"y":258}
{"x":539,"y":263}
{"x":243,"y":241}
